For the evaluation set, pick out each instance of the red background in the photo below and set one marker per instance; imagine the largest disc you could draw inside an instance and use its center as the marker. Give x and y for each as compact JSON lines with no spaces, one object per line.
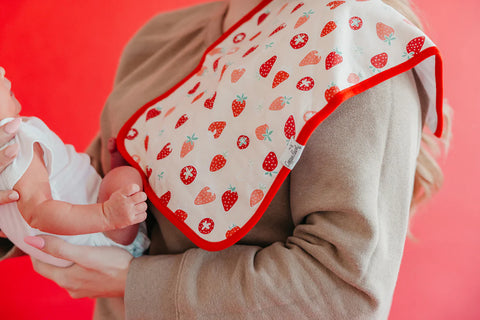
{"x":61,"y":57}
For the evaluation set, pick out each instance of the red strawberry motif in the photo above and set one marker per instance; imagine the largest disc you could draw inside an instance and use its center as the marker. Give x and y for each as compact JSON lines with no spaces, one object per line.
{"x":152,"y":113}
{"x":169,"y":112}
{"x":218,"y":162}
{"x":308,"y":115}
{"x":229,"y":198}
{"x":379,"y":61}
{"x":224,"y":68}
{"x":289,"y":128}
{"x":215,"y":51}
{"x":335,"y":4}
{"x":194,"y":89}
{"x":331,"y":91}
{"x":239,"y":37}
{"x":231,"y":231}
{"x":181,"y":121}
{"x":250,"y":51}
{"x":298,"y":6}
{"x":414,"y":47}
{"x":145,"y":142}
{"x":270,"y":162}
{"x":238,"y":105}
{"x":355,"y":23}
{"x":237,"y":74}
{"x":188,"y":174}
{"x":280,"y":27}
{"x":215,"y":64}
{"x":311,"y":58}
{"x":206,"y":226}
{"x":279,"y":103}
{"x":263,"y":133}
{"x":233,"y":50}
{"x":188,"y":145}
{"x":148,"y":171}
{"x":181,"y":215}
{"x":132,"y":134}
{"x":282,"y":8}
{"x":165,"y":198}
{"x":385,"y":32}
{"x":205,"y":196}
{"x":353,"y":78}
{"x":262,"y":17}
{"x":266,"y":67}
{"x":334,"y":58}
{"x":299,"y":41}
{"x":256,"y":196}
{"x":165,"y":152}
{"x":243,"y":142}
{"x":255,"y":36}
{"x":210,"y":101}
{"x":304,"y":18}
{"x":217,"y":128}
{"x":306,"y":84}
{"x":198,"y":97}
{"x":202,"y":70}
{"x":279,"y":78}
{"x":329,"y":27}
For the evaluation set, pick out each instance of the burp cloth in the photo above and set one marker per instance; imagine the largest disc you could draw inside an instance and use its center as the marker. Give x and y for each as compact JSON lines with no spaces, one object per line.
{"x":215,"y":148}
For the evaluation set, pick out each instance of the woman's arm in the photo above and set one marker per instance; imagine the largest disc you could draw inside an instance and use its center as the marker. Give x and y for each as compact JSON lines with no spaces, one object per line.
{"x":349,"y":198}
{"x":42,"y":212}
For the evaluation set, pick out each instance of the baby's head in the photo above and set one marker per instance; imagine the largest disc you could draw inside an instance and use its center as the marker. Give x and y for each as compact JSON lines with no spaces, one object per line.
{"x":9,"y":105}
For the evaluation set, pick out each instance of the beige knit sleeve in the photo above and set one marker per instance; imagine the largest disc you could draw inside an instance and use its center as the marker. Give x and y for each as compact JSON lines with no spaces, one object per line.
{"x":349,"y":196}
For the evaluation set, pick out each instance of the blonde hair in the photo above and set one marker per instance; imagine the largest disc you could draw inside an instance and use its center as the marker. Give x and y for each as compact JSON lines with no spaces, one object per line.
{"x":428,"y":174}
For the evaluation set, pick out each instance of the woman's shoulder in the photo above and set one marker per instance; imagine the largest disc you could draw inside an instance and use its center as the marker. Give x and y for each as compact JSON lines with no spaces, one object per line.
{"x":183,"y":17}
{"x":178,"y":26}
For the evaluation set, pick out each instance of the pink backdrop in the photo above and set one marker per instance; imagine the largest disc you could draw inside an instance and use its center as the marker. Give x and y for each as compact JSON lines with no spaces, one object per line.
{"x":61,"y":57}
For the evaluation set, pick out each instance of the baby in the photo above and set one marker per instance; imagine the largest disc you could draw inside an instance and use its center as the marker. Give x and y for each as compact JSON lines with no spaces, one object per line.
{"x":62,"y":194}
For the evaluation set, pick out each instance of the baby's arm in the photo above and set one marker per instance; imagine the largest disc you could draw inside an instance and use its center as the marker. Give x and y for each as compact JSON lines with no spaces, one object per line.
{"x":125,"y":207}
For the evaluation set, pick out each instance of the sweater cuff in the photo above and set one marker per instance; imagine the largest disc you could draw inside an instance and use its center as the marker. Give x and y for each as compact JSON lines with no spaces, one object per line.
{"x":152,"y":274}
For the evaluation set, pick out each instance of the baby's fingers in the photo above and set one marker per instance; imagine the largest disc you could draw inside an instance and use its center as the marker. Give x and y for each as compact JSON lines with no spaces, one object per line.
{"x":130,"y":190}
{"x":7,"y":155}
{"x":140,"y":207}
{"x":8,"y":131}
{"x":140,"y":216}
{"x":138,"y":197}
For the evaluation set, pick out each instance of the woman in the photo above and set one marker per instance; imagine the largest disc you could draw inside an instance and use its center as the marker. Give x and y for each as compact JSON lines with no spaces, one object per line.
{"x":331,"y":241}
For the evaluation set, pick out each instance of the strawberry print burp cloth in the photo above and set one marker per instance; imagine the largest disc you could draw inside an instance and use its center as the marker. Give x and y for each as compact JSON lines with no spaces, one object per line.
{"x":215,"y":149}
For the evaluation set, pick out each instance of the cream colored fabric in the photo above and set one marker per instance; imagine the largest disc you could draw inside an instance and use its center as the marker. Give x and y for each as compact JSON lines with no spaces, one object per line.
{"x":330,"y":244}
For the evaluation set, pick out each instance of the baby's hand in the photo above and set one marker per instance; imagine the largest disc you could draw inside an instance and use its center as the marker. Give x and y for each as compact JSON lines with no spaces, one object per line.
{"x":125,"y":207}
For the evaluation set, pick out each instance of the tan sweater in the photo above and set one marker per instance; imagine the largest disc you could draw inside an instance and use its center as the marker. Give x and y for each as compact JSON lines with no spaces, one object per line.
{"x":330,"y":244}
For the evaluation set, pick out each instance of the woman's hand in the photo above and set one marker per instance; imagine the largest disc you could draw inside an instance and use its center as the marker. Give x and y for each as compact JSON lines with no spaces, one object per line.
{"x":7,"y":133}
{"x":96,"y":272}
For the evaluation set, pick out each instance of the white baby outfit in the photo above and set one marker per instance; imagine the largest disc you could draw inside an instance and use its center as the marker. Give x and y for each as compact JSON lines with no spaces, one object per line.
{"x":72,"y":179}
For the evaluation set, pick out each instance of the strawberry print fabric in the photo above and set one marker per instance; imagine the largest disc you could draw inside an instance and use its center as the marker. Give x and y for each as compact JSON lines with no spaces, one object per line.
{"x":215,"y":148}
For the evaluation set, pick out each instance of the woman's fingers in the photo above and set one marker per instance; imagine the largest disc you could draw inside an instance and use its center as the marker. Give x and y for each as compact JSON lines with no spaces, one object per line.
{"x":8,"y":196}
{"x":55,"y":247}
{"x":7,"y":155}
{"x":86,"y":256}
{"x":8,"y":131}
